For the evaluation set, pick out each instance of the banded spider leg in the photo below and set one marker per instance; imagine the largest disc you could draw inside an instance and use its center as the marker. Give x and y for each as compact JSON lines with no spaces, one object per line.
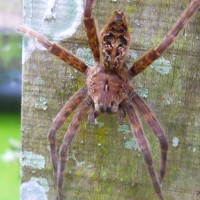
{"x":145,"y":60}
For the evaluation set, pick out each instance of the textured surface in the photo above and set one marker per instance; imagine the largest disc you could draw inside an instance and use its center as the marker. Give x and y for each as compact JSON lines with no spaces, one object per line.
{"x":57,"y":19}
{"x":100,"y":164}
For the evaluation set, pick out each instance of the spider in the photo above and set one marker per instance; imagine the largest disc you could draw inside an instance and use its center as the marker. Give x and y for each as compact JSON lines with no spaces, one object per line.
{"x":107,"y":88}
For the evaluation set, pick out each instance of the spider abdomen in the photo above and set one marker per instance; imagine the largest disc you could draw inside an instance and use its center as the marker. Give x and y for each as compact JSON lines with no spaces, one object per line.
{"x":115,"y":42}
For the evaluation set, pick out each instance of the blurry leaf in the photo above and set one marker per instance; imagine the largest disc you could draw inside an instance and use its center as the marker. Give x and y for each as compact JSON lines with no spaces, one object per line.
{"x":10,"y":156}
{"x":10,"y":51}
{"x":15,"y":144}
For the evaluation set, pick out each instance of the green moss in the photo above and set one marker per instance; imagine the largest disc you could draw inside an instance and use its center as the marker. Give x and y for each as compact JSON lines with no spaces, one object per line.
{"x":130,"y":10}
{"x":80,"y":81}
{"x":130,"y":29}
{"x":158,"y":38}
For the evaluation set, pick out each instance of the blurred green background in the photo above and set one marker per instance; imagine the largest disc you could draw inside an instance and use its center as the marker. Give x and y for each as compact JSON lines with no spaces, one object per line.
{"x":10,"y":98}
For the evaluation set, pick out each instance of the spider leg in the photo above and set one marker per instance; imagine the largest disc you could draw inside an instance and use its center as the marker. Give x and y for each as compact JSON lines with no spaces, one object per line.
{"x":71,"y":133}
{"x":136,"y":127}
{"x":144,"y":61}
{"x":121,"y":115}
{"x":92,"y":116}
{"x":91,"y":30}
{"x":68,"y":108}
{"x":58,"y":51}
{"x":155,"y":126}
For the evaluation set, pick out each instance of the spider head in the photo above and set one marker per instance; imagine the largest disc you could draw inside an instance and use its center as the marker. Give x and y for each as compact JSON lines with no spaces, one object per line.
{"x":115,"y":41}
{"x":107,"y":89}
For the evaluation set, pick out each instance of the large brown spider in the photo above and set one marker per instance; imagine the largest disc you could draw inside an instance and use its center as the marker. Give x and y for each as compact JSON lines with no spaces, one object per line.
{"x":107,"y":87}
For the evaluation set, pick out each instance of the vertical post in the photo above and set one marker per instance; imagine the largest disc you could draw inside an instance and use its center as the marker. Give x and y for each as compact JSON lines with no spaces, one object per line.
{"x":104,"y":161}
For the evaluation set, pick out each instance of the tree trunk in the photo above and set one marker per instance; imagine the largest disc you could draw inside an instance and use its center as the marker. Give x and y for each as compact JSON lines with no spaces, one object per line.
{"x":104,"y":161}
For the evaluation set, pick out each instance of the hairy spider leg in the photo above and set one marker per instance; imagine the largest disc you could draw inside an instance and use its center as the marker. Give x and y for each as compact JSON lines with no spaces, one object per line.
{"x":91,"y":30}
{"x":121,"y":115}
{"x":145,"y":60}
{"x":69,"y":136}
{"x":68,"y":108}
{"x":137,"y":130}
{"x":58,"y":51}
{"x":92,"y":115}
{"x":155,"y":126}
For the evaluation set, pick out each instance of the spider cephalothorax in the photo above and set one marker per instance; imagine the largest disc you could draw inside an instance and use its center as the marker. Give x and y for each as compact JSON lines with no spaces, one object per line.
{"x":107,"y":88}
